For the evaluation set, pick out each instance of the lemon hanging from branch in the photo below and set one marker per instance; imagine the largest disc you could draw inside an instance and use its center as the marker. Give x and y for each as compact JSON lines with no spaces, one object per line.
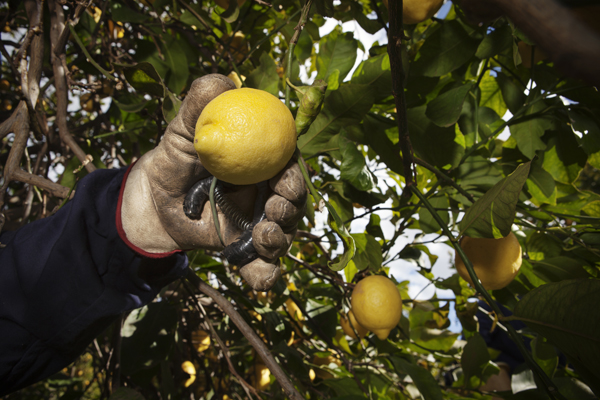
{"x":377,"y":305}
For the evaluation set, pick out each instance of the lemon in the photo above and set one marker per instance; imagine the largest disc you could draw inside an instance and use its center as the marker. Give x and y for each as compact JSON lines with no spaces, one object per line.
{"x":377,"y":305}
{"x":201,"y":340}
{"x":496,"y":261}
{"x":189,"y":369}
{"x":237,"y":79}
{"x":350,"y":321}
{"x":262,"y":377}
{"x":245,"y":136}
{"x":415,"y":11}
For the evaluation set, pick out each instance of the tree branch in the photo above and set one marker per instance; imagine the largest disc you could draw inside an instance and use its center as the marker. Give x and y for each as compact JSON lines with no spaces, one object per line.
{"x":248,"y":332}
{"x":394,"y":48}
{"x":57,"y":18}
{"x":573,"y":46}
{"x":247,"y":388}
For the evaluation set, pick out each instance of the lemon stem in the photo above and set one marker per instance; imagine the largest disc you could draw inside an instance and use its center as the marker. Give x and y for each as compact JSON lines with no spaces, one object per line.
{"x":213,"y":208}
{"x":547,"y":385}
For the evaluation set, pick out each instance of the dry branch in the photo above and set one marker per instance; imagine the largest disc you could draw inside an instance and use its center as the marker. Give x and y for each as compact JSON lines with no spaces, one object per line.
{"x":19,"y":124}
{"x":57,"y":21}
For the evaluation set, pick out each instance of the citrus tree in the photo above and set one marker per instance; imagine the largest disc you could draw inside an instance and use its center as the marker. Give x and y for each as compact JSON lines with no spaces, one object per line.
{"x":459,"y":127}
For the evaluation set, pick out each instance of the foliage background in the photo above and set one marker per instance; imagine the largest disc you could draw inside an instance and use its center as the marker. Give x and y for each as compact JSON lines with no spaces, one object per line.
{"x":126,"y":65}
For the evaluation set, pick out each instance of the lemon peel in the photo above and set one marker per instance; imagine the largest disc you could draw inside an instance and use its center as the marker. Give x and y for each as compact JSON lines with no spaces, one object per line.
{"x":245,"y":136}
{"x":377,"y":305}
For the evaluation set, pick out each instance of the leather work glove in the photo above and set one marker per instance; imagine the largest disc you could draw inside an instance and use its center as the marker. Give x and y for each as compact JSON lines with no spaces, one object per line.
{"x":152,"y":214}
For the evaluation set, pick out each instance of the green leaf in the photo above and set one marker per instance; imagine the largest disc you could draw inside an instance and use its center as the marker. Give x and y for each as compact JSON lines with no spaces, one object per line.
{"x":541,"y":246}
{"x":567,"y":314}
{"x":560,"y":268}
{"x":529,"y":132}
{"x":377,"y":72}
{"x":545,"y":355}
{"x":445,"y":50}
{"x":439,"y":146}
{"x":374,"y":227}
{"x":132,"y":108}
{"x":232,"y":12}
{"x":336,"y":51}
{"x":354,"y":168}
{"x":475,"y":357}
{"x":491,"y":95}
{"x":337,"y":225}
{"x":144,"y":78}
{"x":265,"y":76}
{"x":511,"y":93}
{"x":445,"y":109}
{"x":542,"y":179}
{"x":368,"y":252}
{"x":426,"y":221}
{"x":303,"y":49}
{"x":342,"y":107}
{"x":425,"y":382}
{"x":171,"y":105}
{"x":494,"y":212}
{"x":148,"y":334}
{"x":124,"y":393}
{"x":177,"y":62}
{"x":122,"y":13}
{"x":564,"y":158}
{"x":495,"y":42}
{"x":380,"y":142}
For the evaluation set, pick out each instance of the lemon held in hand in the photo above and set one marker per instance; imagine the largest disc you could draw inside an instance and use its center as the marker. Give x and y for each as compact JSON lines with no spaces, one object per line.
{"x":496,"y":261}
{"x":377,"y":305}
{"x":245,"y":136}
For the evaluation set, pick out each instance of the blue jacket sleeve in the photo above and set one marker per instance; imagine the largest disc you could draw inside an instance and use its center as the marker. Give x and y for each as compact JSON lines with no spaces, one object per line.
{"x":66,"y":278}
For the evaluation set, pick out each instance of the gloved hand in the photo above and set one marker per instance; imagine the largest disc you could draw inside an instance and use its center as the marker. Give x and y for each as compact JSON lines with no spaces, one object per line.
{"x":152,"y":206}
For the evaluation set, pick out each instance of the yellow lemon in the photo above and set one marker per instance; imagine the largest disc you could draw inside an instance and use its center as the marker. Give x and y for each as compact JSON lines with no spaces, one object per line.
{"x":496,"y":261}
{"x":237,"y":79}
{"x":377,"y":305}
{"x":201,"y":340}
{"x":189,"y":369}
{"x":262,"y":377}
{"x":245,"y":136}
{"x":347,"y":322}
{"x":294,"y":310}
{"x":415,"y":11}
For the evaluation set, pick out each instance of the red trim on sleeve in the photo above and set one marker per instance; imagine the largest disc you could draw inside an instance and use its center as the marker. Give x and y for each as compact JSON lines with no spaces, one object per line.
{"x":121,"y":231}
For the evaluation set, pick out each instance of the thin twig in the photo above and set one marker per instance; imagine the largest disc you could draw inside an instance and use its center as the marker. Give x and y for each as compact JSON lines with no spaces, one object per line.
{"x":247,"y":388}
{"x":248,"y":332}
